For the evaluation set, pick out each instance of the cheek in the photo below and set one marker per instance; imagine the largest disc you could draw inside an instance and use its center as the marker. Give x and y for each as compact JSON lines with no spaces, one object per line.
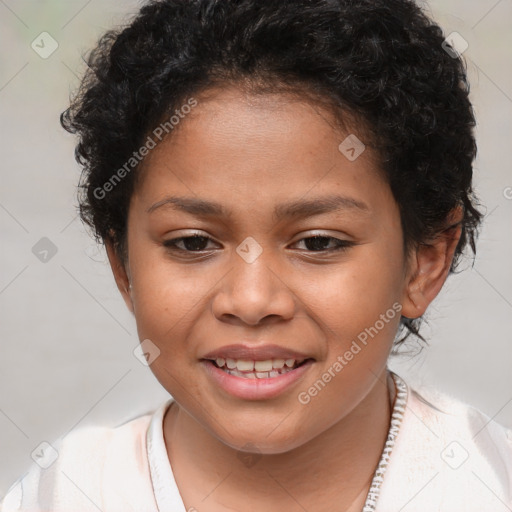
{"x":353,"y":296}
{"x":360,"y":310}
{"x":166,"y":304}
{"x":358,"y":306}
{"x":166,"y":297}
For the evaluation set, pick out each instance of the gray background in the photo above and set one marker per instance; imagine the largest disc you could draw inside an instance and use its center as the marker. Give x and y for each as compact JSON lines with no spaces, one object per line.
{"x":66,"y":336}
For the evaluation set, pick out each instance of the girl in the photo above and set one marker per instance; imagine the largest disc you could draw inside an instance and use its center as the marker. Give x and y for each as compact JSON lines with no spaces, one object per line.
{"x":282,"y":189}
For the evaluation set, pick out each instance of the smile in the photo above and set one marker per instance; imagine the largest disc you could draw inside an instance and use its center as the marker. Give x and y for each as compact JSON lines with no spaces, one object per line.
{"x":255,"y":379}
{"x":247,"y":369}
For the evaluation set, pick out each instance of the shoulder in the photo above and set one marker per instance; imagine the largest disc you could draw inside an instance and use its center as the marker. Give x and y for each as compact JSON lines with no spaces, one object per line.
{"x":454,"y":420}
{"x":448,"y":456}
{"x":91,"y":468}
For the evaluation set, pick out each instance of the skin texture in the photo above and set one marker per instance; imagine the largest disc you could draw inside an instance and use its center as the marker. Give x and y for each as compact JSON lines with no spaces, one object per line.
{"x":250,"y":154}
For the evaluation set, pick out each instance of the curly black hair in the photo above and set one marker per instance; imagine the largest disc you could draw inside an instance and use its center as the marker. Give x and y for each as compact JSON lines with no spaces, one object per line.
{"x":382,"y":62}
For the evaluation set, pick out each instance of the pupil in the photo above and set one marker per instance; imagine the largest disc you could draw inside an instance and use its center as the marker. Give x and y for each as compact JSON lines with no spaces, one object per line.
{"x":317,"y":243}
{"x":194,"y":243}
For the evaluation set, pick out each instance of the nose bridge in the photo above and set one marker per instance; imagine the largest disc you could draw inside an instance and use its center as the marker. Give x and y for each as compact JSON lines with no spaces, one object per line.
{"x":252,"y":270}
{"x":253,"y":289}
{"x":257,"y":273}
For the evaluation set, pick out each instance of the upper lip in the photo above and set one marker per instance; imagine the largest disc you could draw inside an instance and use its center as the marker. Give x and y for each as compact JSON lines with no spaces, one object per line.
{"x":252,"y":353}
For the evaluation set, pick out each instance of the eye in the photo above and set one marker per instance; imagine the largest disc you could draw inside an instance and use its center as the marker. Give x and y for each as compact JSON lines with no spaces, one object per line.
{"x":194,"y":243}
{"x":320,"y":243}
{"x":199,"y":243}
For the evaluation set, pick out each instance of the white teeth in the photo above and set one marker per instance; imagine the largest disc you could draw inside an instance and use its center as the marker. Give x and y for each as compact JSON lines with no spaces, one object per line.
{"x":257,"y":375}
{"x":263,"y":366}
{"x":245,"y":366}
{"x":266,"y":369}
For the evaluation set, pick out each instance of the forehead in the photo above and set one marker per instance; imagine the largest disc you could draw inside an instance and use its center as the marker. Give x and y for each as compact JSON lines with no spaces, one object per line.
{"x":232,"y":121}
{"x":235,"y":145}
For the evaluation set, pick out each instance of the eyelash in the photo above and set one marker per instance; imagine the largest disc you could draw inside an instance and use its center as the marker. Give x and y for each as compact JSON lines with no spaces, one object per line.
{"x":342,"y":245}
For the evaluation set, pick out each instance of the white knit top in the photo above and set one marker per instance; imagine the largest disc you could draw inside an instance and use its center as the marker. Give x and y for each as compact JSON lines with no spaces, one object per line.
{"x":440,"y":455}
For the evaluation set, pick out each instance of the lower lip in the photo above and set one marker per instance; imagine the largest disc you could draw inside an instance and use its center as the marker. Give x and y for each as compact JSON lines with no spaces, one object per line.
{"x":255,"y":389}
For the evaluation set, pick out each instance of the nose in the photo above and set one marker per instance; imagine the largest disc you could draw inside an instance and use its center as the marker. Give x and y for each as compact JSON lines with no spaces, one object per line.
{"x":254,"y":293}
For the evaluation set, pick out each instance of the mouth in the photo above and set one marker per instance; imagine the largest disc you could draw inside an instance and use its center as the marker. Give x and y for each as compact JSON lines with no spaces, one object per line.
{"x":256,"y":372}
{"x":257,"y":369}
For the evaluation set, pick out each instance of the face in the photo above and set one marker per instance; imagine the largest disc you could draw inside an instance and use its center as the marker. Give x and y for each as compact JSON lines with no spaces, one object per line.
{"x":255,"y":180}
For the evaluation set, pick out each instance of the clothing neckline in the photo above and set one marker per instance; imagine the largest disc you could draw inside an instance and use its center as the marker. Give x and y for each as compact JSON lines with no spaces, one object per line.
{"x":165,"y":489}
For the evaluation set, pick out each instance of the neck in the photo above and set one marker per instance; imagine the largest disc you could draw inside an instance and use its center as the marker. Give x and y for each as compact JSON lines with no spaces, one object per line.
{"x":337,"y":465}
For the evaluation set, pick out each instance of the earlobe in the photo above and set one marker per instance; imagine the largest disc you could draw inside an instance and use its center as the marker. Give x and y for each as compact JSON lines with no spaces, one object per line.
{"x":430,"y":265}
{"x":121,"y":275}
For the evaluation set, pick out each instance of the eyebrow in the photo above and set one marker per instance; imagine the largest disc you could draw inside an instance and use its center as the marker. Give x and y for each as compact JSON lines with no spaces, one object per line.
{"x":291,"y":209}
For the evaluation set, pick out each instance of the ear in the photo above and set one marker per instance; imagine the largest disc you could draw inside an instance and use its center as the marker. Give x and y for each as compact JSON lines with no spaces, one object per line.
{"x":121,"y":275}
{"x":429,"y":265}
